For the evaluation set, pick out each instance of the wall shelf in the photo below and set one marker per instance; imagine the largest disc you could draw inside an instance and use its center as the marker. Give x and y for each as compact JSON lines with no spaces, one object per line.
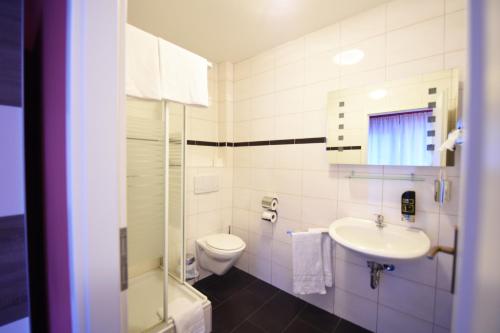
{"x":411,"y":177}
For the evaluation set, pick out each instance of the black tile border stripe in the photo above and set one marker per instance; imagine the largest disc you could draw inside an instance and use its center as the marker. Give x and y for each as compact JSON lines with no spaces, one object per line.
{"x":257,"y":143}
{"x":341,"y":148}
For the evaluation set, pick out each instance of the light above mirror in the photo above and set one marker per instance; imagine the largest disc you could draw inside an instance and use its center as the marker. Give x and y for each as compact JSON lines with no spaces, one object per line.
{"x":349,"y":57}
{"x":377,"y":94}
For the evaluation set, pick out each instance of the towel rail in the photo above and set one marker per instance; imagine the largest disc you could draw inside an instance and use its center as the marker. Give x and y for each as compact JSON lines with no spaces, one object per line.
{"x":322,"y":230}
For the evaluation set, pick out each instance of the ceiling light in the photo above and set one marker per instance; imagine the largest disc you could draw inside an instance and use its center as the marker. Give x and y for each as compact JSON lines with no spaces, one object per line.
{"x":378,"y":94}
{"x":349,"y":57}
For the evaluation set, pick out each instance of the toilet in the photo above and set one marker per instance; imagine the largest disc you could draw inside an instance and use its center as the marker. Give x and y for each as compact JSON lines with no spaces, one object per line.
{"x":217,"y":253}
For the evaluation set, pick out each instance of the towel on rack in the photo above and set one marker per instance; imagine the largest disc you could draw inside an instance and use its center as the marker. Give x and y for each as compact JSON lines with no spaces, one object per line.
{"x":142,"y":64}
{"x":188,"y":317}
{"x":184,"y":75}
{"x":326,"y":247}
{"x":307,"y":253}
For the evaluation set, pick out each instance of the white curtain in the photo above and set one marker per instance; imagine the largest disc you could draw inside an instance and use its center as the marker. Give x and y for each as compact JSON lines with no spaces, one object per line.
{"x":399,"y":139}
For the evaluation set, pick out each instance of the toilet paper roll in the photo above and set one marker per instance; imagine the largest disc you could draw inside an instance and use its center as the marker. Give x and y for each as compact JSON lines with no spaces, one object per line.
{"x":270,"y":216}
{"x":270,"y":203}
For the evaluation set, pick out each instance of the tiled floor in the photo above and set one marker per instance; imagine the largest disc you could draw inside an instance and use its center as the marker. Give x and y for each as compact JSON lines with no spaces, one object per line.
{"x":244,"y":304}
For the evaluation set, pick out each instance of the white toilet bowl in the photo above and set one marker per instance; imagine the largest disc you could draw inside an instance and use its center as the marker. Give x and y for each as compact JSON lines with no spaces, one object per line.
{"x":217,"y":253}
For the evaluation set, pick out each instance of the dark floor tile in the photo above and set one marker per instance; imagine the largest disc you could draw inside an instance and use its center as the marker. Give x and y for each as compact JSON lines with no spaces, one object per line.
{"x":234,"y":311}
{"x":278,"y":312}
{"x":319,"y":318}
{"x":299,"y":326}
{"x":220,"y":288}
{"x":248,"y":327}
{"x":348,"y":327}
{"x":263,"y":290}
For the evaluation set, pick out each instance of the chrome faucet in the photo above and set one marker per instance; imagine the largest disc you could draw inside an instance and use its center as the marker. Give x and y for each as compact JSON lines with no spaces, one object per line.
{"x":380,"y":221}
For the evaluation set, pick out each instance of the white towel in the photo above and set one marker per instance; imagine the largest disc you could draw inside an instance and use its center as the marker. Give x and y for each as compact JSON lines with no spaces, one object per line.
{"x":142,"y":64}
{"x":188,"y":317}
{"x":184,"y":75}
{"x":307,"y":253}
{"x":326,"y":244}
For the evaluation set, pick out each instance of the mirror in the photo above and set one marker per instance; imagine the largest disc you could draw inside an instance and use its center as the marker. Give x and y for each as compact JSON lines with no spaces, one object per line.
{"x":400,"y":122}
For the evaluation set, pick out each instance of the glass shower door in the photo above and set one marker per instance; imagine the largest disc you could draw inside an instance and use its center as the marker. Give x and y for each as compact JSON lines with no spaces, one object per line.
{"x":145,"y":213}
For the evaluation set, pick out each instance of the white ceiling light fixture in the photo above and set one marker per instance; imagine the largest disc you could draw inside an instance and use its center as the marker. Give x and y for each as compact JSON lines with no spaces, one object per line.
{"x":378,"y":94}
{"x":349,"y":57}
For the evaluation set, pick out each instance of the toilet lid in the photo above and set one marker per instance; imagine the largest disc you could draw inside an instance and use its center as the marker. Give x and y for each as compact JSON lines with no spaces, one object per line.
{"x":225,"y":242}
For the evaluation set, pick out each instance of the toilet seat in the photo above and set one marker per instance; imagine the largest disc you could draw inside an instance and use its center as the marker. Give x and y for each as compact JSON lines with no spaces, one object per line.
{"x":224,"y":242}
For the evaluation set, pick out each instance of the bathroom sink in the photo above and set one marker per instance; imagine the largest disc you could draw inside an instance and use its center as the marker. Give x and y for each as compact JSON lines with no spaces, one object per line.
{"x":389,"y":242}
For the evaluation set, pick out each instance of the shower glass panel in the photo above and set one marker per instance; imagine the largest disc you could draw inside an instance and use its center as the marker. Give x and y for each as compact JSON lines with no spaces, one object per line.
{"x":176,"y":126}
{"x":145,"y":212}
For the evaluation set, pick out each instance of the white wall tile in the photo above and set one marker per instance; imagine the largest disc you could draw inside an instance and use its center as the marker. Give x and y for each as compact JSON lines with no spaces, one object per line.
{"x":290,"y":101}
{"x":438,"y":329}
{"x":444,"y":304}
{"x":415,"y":67}
{"x":242,"y":70}
{"x":315,"y":95}
{"x":359,"y":210}
{"x":318,"y":212}
{"x":259,"y":245}
{"x":374,"y":50}
{"x":454,"y":5}
{"x":391,"y":321}
{"x":417,"y":41}
{"x":362,"y":26}
{"x":365,"y":191}
{"x":354,"y":279}
{"x":290,"y":52}
{"x":408,"y":297}
{"x":288,"y":156}
{"x":282,"y":278}
{"x":456,"y":31}
{"x":262,"y":62}
{"x":262,"y":156}
{"x":314,"y":124}
{"x":262,"y":84}
{"x":314,"y":157}
{"x":322,"y":40}
{"x":288,"y":181}
{"x":290,"y":207}
{"x":282,"y":254}
{"x":262,"y":107}
{"x":321,"y":67}
{"x":358,"y":310}
{"x":288,"y":126}
{"x":320,"y":184}
{"x":290,"y":76}
{"x":401,"y":13}
{"x":259,"y":267}
{"x":262,"y":129}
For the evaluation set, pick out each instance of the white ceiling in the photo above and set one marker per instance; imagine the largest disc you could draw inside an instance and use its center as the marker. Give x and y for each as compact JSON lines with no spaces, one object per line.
{"x":233,"y":30}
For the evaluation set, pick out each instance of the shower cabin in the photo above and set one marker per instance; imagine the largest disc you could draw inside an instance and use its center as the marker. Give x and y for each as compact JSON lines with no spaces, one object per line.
{"x":155,"y":216}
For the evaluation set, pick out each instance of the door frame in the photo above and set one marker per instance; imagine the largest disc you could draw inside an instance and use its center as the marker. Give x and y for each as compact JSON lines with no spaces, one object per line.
{"x":95,"y":162}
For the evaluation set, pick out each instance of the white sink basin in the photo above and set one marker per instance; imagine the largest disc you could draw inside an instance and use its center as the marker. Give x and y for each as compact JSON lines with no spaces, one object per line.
{"x":389,"y":242}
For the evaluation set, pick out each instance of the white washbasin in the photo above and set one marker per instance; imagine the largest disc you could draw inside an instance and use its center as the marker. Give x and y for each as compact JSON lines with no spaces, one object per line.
{"x":389,"y":242}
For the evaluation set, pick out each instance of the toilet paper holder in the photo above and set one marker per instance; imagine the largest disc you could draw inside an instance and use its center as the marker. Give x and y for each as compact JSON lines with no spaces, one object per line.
{"x":270,"y":205}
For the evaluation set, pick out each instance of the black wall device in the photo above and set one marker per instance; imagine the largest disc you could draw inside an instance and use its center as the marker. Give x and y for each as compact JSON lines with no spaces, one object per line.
{"x":408,"y":202}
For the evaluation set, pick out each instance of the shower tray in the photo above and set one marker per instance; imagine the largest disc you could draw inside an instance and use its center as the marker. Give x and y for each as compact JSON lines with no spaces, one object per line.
{"x":144,"y":301}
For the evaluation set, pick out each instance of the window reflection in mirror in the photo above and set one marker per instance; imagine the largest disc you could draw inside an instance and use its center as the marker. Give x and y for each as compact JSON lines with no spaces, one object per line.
{"x":399,"y":138}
